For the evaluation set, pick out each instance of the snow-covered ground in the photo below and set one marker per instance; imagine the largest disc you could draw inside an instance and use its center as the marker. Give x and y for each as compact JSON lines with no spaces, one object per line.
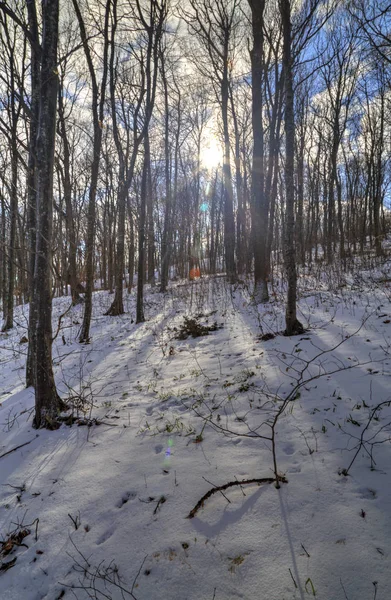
{"x":167,"y":419}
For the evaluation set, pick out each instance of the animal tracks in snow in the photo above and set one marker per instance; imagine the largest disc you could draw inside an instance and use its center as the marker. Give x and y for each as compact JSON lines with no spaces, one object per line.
{"x":288,"y":449}
{"x":294,"y":469}
{"x":367,"y":493}
{"x":105,"y":536}
{"x":125,"y":498}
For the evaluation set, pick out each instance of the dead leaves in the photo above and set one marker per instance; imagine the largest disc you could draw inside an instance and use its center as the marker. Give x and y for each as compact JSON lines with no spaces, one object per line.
{"x":13,"y":541}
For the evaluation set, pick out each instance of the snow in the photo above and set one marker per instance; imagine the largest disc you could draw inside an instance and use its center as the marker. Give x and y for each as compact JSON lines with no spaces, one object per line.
{"x":129,"y":480}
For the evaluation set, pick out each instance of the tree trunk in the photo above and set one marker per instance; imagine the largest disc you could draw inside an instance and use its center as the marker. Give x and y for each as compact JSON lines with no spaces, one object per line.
{"x":32,"y":189}
{"x":69,"y":219}
{"x":9,"y":305}
{"x":240,"y":219}
{"x":151,"y":232}
{"x":165,"y":251}
{"x":47,"y":401}
{"x":131,"y":250}
{"x":117,"y":306}
{"x":13,"y":113}
{"x":3,"y":257}
{"x":300,"y":198}
{"x":141,"y":247}
{"x":259,"y":206}
{"x":229,"y":221}
{"x":293,"y":325}
{"x":377,"y":197}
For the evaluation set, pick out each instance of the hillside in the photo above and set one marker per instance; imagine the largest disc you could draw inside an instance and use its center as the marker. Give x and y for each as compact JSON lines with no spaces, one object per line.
{"x":98,"y":509}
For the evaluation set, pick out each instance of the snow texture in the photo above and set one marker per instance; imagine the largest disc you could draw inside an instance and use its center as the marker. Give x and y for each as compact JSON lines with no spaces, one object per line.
{"x":167,"y":419}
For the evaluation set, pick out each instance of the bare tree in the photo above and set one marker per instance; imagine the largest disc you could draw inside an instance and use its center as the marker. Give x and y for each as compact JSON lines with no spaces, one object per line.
{"x":372,"y":19}
{"x":140,"y":76}
{"x":339,"y":75}
{"x":98,"y":93}
{"x":259,"y":206}
{"x":293,"y":325}
{"x":12,"y":77}
{"x":64,"y":167}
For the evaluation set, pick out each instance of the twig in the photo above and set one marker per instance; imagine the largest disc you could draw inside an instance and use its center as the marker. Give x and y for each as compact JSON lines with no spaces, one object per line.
{"x":75,"y":520}
{"x":16,"y":448}
{"x":240,"y":487}
{"x":60,"y":318}
{"x":362,"y":442}
{"x":200,"y":503}
{"x":138,"y":573}
{"x":77,"y":550}
{"x":344,"y":591}
{"x":108,"y":575}
{"x":20,"y":488}
{"x":161,"y":500}
{"x":221,"y":492}
{"x":375,"y":584}
{"x":35,"y":522}
{"x":293,"y":579}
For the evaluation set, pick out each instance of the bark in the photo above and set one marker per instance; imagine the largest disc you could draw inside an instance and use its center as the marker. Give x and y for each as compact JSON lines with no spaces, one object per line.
{"x":293,"y":325}
{"x":240,"y":219}
{"x":213,"y":226}
{"x":377,"y":197}
{"x":47,"y":401}
{"x":342,"y":253}
{"x":331,"y":199}
{"x":259,"y":203}
{"x":131,"y":249}
{"x":272,"y":171}
{"x":13,"y":115}
{"x":141,"y":246}
{"x":67,"y":187}
{"x":32,"y":188}
{"x":165,"y":251}
{"x":11,"y":254}
{"x":300,"y":197}
{"x":149,"y":201}
{"x":117,"y":306}
{"x":229,"y":220}
{"x":195,"y":243}
{"x":105,"y":238}
{"x":3,"y":261}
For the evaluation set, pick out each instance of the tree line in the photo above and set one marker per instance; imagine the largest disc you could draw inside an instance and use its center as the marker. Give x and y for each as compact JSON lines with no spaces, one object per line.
{"x":106,"y":108}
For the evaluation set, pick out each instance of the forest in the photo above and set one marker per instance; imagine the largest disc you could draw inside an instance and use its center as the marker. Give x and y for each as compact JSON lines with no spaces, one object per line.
{"x":195,"y":295}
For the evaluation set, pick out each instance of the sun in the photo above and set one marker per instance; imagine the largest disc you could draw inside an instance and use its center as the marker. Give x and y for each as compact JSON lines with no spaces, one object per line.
{"x":211,"y":154}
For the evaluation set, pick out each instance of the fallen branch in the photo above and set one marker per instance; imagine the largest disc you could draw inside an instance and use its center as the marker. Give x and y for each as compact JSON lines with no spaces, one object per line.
{"x":219,"y":488}
{"x":16,"y":448}
{"x":4,"y":566}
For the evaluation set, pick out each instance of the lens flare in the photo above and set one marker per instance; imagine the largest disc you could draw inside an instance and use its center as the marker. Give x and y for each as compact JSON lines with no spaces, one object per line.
{"x":168,"y":452}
